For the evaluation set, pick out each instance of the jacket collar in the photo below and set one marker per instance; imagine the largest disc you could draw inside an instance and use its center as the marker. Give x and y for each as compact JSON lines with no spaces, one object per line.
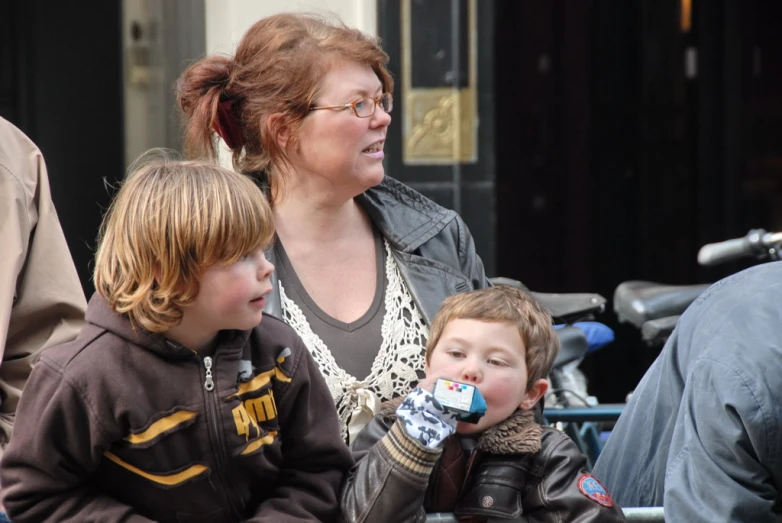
{"x":518,"y":434}
{"x":406,"y":218}
{"x":99,"y":313}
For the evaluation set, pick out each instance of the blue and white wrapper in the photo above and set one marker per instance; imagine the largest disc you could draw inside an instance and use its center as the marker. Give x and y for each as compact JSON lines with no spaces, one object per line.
{"x":425,"y":419}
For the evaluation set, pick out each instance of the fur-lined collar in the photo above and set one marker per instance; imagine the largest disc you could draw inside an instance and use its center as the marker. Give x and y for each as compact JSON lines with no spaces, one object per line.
{"x":518,"y":434}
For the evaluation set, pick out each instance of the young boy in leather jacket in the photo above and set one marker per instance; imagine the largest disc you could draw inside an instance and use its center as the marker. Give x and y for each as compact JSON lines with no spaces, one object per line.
{"x":415,"y":457}
{"x":179,"y":401}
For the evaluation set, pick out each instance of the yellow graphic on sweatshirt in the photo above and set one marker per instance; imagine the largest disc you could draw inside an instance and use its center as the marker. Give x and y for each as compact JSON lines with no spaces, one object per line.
{"x":253,"y":411}
{"x":161,"y":427}
{"x":259,"y":442}
{"x":264,"y":378}
{"x":259,"y":381}
{"x":169,"y":480}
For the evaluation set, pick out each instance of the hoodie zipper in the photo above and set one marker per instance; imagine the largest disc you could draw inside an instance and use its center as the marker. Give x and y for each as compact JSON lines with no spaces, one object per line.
{"x":217,"y":438}
{"x":209,"y":383}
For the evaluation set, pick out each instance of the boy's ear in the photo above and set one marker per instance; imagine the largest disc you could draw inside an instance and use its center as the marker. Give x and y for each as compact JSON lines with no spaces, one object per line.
{"x":534,"y":394}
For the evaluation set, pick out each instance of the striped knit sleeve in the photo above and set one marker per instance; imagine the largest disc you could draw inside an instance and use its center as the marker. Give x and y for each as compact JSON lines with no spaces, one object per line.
{"x":407,"y":453}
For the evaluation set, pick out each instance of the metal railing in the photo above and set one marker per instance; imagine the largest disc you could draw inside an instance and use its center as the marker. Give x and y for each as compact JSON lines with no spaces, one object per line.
{"x":633,"y":515}
{"x":600,"y":412}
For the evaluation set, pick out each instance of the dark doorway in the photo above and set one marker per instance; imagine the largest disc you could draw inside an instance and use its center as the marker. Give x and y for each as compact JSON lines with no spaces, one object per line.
{"x":628,"y":134}
{"x":61,"y":83}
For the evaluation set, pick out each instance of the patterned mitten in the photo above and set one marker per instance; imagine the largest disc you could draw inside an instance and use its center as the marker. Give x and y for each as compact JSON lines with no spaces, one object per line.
{"x":425,"y":419}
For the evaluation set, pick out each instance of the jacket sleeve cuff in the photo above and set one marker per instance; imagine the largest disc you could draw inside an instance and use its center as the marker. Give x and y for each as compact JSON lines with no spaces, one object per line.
{"x":407,"y":453}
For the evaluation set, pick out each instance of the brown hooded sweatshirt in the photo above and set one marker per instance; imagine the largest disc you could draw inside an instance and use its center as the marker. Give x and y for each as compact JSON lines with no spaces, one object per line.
{"x":119,"y":425}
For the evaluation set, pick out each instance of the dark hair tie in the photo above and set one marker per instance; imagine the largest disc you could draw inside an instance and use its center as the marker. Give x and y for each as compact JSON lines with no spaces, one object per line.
{"x":227,"y":124}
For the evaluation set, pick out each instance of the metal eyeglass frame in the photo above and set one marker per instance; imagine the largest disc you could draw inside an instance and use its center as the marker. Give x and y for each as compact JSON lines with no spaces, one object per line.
{"x":376,"y":101}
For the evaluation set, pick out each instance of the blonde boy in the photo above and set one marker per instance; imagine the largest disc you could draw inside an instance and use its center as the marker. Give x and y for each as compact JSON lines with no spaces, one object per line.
{"x":415,"y":457}
{"x":179,"y":401}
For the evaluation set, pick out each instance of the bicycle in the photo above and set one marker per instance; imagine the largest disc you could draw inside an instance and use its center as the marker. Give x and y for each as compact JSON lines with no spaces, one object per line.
{"x":654,"y":308}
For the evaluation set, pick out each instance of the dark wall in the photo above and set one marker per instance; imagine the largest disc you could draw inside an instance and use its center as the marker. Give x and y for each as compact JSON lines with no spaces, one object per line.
{"x":542,"y":142}
{"x":616,"y":161}
{"x":61,"y":83}
{"x":641,"y":170}
{"x":468,"y":188}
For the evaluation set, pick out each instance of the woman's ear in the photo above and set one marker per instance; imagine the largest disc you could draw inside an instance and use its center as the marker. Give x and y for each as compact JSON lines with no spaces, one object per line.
{"x":275,"y":125}
{"x":534,"y":393}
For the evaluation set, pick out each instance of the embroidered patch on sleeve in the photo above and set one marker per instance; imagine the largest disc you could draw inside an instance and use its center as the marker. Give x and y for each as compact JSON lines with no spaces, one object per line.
{"x":594,"y":490}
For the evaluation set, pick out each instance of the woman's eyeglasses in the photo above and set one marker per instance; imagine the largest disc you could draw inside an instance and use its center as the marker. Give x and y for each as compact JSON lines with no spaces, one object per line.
{"x":364,"y":107}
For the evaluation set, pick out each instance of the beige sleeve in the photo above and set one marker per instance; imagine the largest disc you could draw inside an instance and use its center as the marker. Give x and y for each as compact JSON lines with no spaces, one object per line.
{"x":41,"y":300}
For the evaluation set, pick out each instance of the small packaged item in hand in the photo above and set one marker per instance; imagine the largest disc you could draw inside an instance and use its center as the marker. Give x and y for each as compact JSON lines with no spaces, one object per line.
{"x":460,"y":398}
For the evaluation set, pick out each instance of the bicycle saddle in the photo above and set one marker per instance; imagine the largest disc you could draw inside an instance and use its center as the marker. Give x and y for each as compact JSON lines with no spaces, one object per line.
{"x":573,"y":345}
{"x":656,"y":332}
{"x":571,"y":306}
{"x":637,"y":301}
{"x":565,"y":307}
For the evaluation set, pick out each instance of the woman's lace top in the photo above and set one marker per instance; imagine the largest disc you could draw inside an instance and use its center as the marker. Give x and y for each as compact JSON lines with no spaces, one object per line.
{"x":399,"y":362}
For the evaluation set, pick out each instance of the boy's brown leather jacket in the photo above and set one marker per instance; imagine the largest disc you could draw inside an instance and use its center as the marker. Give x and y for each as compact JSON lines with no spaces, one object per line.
{"x":517,"y":469}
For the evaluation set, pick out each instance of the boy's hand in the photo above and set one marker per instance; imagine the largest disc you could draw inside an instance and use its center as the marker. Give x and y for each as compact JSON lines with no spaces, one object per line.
{"x":428,"y":383}
{"x":425,"y":419}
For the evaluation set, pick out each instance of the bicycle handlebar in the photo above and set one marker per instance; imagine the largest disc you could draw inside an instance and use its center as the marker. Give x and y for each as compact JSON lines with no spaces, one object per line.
{"x":715,"y":253}
{"x":757,"y":243}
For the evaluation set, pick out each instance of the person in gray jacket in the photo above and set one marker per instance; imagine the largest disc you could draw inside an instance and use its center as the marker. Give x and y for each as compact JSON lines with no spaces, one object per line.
{"x":701,"y":433}
{"x":363,"y":262}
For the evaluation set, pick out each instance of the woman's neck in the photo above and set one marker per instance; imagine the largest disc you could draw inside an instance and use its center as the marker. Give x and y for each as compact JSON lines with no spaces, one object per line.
{"x":305,"y":220}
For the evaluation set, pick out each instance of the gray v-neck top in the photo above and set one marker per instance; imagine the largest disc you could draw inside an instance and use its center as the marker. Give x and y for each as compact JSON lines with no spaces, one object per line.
{"x":354,"y":345}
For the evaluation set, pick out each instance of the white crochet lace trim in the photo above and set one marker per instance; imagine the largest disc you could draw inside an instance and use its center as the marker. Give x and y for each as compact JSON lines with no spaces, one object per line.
{"x":396,"y":366}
